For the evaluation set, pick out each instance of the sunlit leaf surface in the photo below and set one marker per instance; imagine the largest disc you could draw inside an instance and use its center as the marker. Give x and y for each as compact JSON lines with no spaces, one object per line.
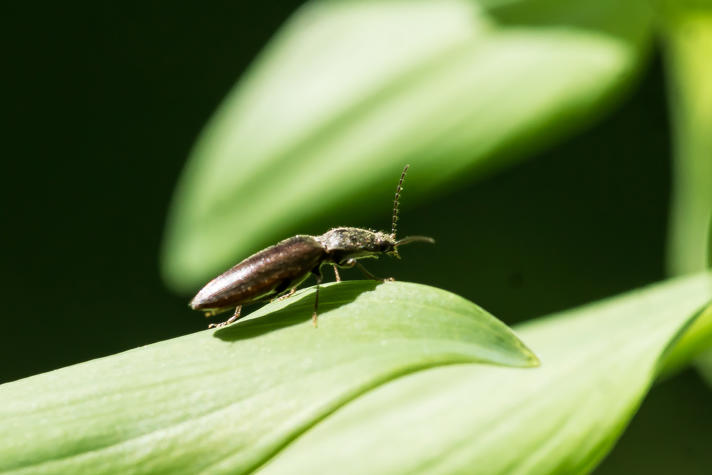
{"x":232,"y":398}
{"x":597,"y":364}
{"x":388,"y":383}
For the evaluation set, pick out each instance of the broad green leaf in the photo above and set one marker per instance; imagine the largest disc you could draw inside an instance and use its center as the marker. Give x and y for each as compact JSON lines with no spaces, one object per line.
{"x":597,"y":364}
{"x":350,"y":91}
{"x":230,"y":399}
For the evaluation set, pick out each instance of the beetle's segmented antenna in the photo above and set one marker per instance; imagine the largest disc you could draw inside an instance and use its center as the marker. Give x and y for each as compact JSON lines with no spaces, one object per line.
{"x":399,"y":188}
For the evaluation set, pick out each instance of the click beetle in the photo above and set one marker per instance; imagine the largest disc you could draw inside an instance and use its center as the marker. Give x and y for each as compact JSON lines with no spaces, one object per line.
{"x":278,"y":270}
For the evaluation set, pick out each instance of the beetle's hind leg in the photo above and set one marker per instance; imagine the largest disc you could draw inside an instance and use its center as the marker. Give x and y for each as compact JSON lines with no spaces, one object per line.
{"x":285,"y":296}
{"x":337,"y":276}
{"x":235,"y":316}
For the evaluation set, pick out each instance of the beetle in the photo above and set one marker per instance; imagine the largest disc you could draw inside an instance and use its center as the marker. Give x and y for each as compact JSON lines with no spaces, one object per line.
{"x":278,"y":270}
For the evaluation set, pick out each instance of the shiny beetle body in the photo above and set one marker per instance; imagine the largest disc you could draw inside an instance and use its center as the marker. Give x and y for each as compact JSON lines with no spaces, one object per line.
{"x":280,"y":269}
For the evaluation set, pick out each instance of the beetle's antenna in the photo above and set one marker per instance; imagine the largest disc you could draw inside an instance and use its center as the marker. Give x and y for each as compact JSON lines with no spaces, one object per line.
{"x":409,"y":239}
{"x":399,"y":188}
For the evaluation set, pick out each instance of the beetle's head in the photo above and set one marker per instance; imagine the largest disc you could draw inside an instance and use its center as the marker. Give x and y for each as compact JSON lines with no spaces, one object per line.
{"x":356,"y":243}
{"x":344,"y":244}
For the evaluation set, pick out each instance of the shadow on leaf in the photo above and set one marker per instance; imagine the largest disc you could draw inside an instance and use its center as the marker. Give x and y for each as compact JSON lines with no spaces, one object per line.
{"x":296,"y":309}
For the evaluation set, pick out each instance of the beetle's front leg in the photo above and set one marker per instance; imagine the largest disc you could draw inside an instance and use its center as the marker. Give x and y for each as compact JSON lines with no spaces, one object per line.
{"x":354,"y":262}
{"x":227,"y":322}
{"x":348,"y":264}
{"x":316,"y":299}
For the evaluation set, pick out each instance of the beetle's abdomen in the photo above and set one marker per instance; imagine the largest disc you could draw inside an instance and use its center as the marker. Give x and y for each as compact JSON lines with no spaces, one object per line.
{"x":262,"y":275}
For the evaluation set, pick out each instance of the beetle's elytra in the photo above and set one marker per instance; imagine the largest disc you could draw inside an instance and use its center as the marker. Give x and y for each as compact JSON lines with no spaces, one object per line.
{"x":280,"y":269}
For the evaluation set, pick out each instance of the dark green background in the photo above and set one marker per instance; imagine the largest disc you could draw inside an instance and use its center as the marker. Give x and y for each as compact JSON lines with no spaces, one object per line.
{"x":103,"y":102}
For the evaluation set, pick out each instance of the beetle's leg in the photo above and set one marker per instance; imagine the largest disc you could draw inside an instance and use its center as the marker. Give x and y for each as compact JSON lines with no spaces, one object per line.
{"x":316,"y":299}
{"x":234,"y":317}
{"x":285,"y":296}
{"x":354,"y":262}
{"x":336,"y":273}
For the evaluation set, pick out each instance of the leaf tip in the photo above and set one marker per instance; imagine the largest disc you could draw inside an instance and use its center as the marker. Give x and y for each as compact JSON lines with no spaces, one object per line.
{"x":533,"y":360}
{"x":528,"y":359}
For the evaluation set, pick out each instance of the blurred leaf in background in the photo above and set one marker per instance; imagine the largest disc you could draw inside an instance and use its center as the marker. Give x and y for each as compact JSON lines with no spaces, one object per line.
{"x":350,"y":91}
{"x":687,"y":33}
{"x":686,"y":29}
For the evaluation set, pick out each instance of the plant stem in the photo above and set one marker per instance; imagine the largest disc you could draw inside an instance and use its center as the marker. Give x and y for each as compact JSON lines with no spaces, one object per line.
{"x":687,"y":41}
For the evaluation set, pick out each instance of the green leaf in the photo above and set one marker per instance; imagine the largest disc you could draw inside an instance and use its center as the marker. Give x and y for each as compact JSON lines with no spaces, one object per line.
{"x":597,"y":364}
{"x":687,"y":34}
{"x":373,"y":389}
{"x":695,"y":340}
{"x":350,"y":91}
{"x":228,"y":400}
